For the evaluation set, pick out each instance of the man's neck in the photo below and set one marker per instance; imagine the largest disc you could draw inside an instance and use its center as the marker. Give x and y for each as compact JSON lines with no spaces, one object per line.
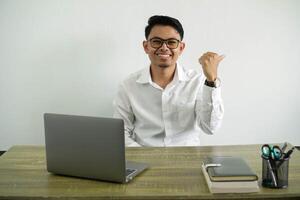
{"x":162,"y":76}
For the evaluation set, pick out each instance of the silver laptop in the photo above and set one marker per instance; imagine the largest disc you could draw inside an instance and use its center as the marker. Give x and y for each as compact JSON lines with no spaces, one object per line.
{"x":88,"y":147}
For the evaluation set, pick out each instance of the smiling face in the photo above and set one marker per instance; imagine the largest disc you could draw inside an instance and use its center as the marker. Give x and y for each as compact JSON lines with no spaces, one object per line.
{"x":163,"y":56}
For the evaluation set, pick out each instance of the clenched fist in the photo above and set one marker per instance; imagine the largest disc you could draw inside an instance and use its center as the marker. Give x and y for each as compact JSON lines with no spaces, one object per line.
{"x":210,"y":62}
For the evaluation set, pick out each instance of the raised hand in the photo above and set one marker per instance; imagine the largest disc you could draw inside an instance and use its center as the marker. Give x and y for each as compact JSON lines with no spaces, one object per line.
{"x":210,"y":62}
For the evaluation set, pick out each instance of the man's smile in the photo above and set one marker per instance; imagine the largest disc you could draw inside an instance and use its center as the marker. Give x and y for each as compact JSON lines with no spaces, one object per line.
{"x":163,"y":55}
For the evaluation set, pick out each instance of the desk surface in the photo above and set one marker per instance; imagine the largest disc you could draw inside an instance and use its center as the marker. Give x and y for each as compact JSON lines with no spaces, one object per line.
{"x":175,"y":173}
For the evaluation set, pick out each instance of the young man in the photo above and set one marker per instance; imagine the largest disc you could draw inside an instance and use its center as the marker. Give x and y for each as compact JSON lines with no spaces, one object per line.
{"x":165,"y":104}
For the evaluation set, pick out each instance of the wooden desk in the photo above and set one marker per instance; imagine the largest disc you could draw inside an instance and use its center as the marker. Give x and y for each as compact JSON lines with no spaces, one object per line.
{"x":174,"y":174}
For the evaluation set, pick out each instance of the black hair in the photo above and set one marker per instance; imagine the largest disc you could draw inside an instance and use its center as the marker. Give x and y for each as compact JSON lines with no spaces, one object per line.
{"x":166,"y":21}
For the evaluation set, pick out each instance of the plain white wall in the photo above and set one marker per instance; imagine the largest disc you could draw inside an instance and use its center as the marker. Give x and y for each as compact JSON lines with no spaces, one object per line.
{"x":69,"y":57}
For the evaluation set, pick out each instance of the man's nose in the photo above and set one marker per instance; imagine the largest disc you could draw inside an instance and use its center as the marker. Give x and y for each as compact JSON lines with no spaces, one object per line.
{"x":164,"y":46}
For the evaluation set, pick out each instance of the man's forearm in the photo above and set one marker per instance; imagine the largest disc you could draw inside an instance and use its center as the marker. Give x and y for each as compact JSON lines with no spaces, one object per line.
{"x":210,"y":110}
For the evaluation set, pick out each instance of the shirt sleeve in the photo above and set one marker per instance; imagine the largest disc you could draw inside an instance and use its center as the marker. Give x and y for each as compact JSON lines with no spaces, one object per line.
{"x":209,"y":109}
{"x":123,"y":110}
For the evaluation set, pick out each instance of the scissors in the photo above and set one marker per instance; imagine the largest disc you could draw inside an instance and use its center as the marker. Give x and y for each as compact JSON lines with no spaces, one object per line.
{"x":271,"y":152}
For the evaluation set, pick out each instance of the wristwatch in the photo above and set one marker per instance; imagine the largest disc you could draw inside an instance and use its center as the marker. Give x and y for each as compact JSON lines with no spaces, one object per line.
{"x":214,"y":84}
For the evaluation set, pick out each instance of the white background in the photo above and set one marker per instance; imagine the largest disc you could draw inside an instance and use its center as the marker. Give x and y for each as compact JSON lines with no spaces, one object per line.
{"x":69,"y":57}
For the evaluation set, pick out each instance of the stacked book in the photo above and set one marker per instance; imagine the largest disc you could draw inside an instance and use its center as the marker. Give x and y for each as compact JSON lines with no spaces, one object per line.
{"x":227,"y":174}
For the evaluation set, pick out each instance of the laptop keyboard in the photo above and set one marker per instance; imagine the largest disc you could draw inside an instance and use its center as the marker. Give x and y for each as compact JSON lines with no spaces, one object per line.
{"x":130,"y":171}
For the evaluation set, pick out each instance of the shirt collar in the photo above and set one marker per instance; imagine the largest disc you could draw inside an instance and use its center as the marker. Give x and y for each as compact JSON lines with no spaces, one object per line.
{"x":145,"y":76}
{"x":182,"y":75}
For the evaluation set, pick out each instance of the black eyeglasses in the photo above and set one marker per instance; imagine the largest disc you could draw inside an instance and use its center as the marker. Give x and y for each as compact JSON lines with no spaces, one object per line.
{"x":171,"y":43}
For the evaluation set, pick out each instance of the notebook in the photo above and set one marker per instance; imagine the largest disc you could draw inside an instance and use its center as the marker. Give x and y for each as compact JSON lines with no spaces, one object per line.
{"x":230,"y":169}
{"x":229,"y":175}
{"x":88,"y":147}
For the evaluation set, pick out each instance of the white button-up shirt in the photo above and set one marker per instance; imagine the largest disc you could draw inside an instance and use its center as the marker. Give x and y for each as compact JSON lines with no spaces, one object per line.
{"x":154,"y":116}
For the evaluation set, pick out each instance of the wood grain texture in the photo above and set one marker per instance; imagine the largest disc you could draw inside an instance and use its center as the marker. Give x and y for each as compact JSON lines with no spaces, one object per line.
{"x":174,"y":173}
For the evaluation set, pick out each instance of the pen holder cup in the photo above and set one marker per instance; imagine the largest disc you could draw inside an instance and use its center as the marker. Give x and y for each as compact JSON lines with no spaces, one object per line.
{"x":275,"y":174}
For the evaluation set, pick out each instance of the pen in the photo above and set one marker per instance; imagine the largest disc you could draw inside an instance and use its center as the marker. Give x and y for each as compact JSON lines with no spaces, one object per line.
{"x":288,"y":154}
{"x":284,"y":147}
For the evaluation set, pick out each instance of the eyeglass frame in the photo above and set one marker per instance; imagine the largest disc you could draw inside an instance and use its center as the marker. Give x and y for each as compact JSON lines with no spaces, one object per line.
{"x":164,"y":42}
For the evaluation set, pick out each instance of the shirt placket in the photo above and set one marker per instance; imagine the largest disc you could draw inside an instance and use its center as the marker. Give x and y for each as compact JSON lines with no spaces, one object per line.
{"x":166,"y":111}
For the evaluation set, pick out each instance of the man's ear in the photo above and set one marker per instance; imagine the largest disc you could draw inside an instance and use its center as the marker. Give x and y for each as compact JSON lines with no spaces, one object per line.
{"x":146,"y":47}
{"x":181,"y":47}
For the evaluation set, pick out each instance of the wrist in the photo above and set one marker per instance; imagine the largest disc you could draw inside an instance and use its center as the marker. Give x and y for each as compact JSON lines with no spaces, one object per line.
{"x":216,"y":83}
{"x":211,"y":79}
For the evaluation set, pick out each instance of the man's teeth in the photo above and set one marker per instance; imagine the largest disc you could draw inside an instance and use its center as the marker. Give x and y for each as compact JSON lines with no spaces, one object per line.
{"x":164,"y":55}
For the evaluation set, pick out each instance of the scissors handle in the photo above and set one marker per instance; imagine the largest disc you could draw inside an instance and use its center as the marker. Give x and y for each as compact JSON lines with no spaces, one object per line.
{"x":271,"y":152}
{"x":266,"y":150}
{"x":277,"y":152}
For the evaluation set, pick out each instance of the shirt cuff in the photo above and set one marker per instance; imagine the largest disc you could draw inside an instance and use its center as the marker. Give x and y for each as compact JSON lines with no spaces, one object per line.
{"x":211,"y":94}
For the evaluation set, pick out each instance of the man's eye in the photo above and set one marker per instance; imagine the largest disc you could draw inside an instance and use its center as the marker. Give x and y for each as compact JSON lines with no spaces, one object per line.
{"x":172,"y":42}
{"x":156,"y":41}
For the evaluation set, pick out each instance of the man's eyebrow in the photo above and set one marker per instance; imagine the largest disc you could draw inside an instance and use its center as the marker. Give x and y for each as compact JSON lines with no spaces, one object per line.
{"x":164,"y":39}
